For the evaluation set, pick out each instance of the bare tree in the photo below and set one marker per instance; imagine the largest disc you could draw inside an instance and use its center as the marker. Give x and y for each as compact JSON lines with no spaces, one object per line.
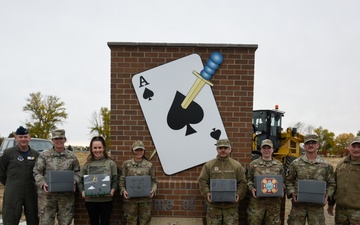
{"x":100,"y":124}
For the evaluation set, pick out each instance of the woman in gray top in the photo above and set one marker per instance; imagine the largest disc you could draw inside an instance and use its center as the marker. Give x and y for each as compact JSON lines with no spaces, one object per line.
{"x":99,"y":165}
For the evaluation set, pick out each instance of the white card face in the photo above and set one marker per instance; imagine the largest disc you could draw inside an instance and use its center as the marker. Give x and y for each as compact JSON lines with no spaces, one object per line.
{"x":183,"y":138}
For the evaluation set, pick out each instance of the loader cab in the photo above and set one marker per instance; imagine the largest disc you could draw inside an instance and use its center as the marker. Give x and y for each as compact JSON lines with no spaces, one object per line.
{"x":267,"y":125}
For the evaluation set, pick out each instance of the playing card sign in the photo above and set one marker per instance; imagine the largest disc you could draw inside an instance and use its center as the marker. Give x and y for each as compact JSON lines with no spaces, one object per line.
{"x":184,"y":129}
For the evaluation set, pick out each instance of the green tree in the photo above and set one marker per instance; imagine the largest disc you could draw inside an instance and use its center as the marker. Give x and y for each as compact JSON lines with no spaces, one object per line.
{"x":100,"y":124}
{"x":326,"y":138}
{"x":342,"y":142}
{"x":358,"y":133}
{"x":46,"y":112}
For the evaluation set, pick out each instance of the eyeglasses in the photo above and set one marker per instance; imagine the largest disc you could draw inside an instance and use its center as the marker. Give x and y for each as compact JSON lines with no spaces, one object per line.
{"x":311,"y":143}
{"x":222,"y":148}
{"x":58,"y":138}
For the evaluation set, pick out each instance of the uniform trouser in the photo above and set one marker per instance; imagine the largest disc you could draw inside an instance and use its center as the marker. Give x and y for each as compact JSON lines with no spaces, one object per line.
{"x":13,"y":203}
{"x":264,"y":209}
{"x":137,"y":212}
{"x":59,"y":204}
{"x":300,"y":212}
{"x":222,"y":216}
{"x":345,"y":216}
{"x":99,"y":212}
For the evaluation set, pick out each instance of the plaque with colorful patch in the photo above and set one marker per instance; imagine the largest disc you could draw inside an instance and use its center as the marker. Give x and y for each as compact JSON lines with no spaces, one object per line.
{"x":269,"y":185}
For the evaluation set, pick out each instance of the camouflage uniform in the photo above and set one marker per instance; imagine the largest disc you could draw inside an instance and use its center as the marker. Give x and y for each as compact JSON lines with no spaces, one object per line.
{"x":137,"y":209}
{"x":304,"y":169}
{"x":347,"y":195}
{"x":222,"y":168}
{"x":52,"y":203}
{"x":260,"y":208}
{"x":20,"y":189}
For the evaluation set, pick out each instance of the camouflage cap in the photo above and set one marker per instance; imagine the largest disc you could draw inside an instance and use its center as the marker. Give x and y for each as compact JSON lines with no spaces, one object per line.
{"x":223,"y":143}
{"x":310,"y":137}
{"x":138,"y":144}
{"x":21,"y":131}
{"x":355,"y":140}
{"x":267,"y":142}
{"x":58,"y":133}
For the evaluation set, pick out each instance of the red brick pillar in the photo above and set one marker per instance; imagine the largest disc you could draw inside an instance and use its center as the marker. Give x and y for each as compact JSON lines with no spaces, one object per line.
{"x":178,"y":195}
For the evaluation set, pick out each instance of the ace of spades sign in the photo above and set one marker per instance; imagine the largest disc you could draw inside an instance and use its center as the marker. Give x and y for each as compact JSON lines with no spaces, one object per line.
{"x":183,"y":138}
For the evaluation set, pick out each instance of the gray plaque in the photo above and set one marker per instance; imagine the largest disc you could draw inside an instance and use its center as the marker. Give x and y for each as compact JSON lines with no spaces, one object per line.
{"x":223,"y":190}
{"x":312,"y":191}
{"x":138,"y":186}
{"x":97,"y":184}
{"x":269,"y":185}
{"x":60,"y":180}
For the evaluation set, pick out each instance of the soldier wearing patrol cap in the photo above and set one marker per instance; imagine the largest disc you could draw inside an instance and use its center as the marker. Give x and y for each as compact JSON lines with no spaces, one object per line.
{"x":222,"y":167}
{"x":20,"y":192}
{"x":264,"y":209}
{"x":309,"y":167}
{"x":56,"y":204}
{"x":347,"y":196}
{"x":137,"y":210}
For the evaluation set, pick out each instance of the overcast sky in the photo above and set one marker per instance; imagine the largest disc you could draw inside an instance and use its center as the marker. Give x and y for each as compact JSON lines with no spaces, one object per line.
{"x":307,"y":61}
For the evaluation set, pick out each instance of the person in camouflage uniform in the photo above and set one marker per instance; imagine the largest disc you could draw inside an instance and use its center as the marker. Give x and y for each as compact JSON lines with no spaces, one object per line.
{"x":137,"y":210}
{"x":222,"y":167}
{"x":309,"y":167}
{"x":347,"y":194}
{"x":59,"y":204}
{"x":16,"y":166}
{"x":265,"y":209}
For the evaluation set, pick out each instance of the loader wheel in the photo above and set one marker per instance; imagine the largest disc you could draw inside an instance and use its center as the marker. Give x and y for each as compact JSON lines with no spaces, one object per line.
{"x":289,"y":160}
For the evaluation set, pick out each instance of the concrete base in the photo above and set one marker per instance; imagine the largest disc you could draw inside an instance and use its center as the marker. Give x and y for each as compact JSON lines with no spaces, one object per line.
{"x":175,"y":221}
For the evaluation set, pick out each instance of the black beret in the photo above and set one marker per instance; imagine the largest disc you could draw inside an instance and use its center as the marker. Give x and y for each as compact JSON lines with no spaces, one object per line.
{"x":22,"y":131}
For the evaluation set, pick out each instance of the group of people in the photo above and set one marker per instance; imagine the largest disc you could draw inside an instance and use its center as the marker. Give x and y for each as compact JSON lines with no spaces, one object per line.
{"x":23,"y":172}
{"x":342,"y":188}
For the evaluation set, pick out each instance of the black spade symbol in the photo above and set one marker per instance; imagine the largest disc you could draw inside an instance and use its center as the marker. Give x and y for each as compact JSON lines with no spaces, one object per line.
{"x":148,"y":94}
{"x":216,"y":133}
{"x":178,"y":117}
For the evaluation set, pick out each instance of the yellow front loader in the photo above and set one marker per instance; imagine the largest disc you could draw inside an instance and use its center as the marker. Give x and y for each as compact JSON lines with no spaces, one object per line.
{"x":267,"y":124}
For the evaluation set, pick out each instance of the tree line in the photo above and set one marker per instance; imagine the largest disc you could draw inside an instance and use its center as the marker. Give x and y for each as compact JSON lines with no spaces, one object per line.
{"x":47,"y":112}
{"x":329,"y":143}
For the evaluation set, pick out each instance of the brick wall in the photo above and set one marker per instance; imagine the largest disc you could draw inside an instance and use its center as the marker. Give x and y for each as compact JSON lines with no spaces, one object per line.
{"x":178,"y":195}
